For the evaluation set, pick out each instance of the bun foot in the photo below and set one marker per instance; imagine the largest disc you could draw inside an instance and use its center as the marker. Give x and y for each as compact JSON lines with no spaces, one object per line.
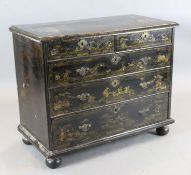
{"x":26,"y":142}
{"x":162,"y":130}
{"x":53,"y":162}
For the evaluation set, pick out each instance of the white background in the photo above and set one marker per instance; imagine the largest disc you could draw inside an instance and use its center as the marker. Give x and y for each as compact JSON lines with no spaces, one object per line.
{"x":144,"y":154}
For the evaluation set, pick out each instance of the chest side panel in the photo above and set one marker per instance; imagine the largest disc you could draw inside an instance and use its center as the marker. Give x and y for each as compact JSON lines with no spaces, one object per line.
{"x":31,"y":87}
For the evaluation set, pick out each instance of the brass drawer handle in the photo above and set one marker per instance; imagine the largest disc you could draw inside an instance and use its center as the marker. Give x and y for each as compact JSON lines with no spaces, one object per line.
{"x":85,"y":127}
{"x":83,"y":71}
{"x":83,"y":96}
{"x":158,"y":81}
{"x":54,"y":52}
{"x":86,"y":97}
{"x":145,"y":84}
{"x":145,"y":60}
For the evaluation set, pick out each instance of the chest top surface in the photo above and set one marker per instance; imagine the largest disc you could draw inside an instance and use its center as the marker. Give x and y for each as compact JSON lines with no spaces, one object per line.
{"x":93,"y":26}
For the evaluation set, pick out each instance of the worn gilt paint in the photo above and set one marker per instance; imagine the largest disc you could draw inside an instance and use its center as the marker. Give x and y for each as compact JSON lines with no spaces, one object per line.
{"x":74,"y":98}
{"x":78,"y":70}
{"x":89,"y":126}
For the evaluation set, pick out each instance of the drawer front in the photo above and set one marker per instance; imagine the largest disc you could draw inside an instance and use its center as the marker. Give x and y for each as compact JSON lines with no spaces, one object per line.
{"x":85,"y":69}
{"x":75,"y":47}
{"x":144,"y":39}
{"x":88,"y":95}
{"x":93,"y":125}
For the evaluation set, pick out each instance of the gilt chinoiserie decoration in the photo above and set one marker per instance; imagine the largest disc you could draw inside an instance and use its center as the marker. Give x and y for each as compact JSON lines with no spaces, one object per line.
{"x":86,"y":82}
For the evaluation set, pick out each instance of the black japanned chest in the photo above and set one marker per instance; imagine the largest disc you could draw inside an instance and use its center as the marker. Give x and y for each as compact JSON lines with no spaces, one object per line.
{"x":85,"y":82}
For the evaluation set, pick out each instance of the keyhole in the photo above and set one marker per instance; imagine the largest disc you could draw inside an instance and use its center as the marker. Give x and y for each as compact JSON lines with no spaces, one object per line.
{"x":116,"y":109}
{"x":115,"y":83}
{"x":82,"y":43}
{"x":145,"y":35}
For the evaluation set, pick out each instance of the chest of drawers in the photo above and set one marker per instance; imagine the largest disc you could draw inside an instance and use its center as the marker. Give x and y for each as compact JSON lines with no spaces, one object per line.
{"x":86,"y":82}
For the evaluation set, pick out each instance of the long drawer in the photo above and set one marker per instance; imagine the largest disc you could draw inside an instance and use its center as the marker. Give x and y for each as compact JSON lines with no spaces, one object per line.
{"x":95,"y":67}
{"x":68,"y":99}
{"x":77,"y":129}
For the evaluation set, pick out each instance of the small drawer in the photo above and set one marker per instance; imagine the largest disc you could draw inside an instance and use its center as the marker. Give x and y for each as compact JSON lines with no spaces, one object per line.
{"x":68,"y":99}
{"x":92,"y":125}
{"x":144,"y":39}
{"x":74,"y":47}
{"x":96,"y":67}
